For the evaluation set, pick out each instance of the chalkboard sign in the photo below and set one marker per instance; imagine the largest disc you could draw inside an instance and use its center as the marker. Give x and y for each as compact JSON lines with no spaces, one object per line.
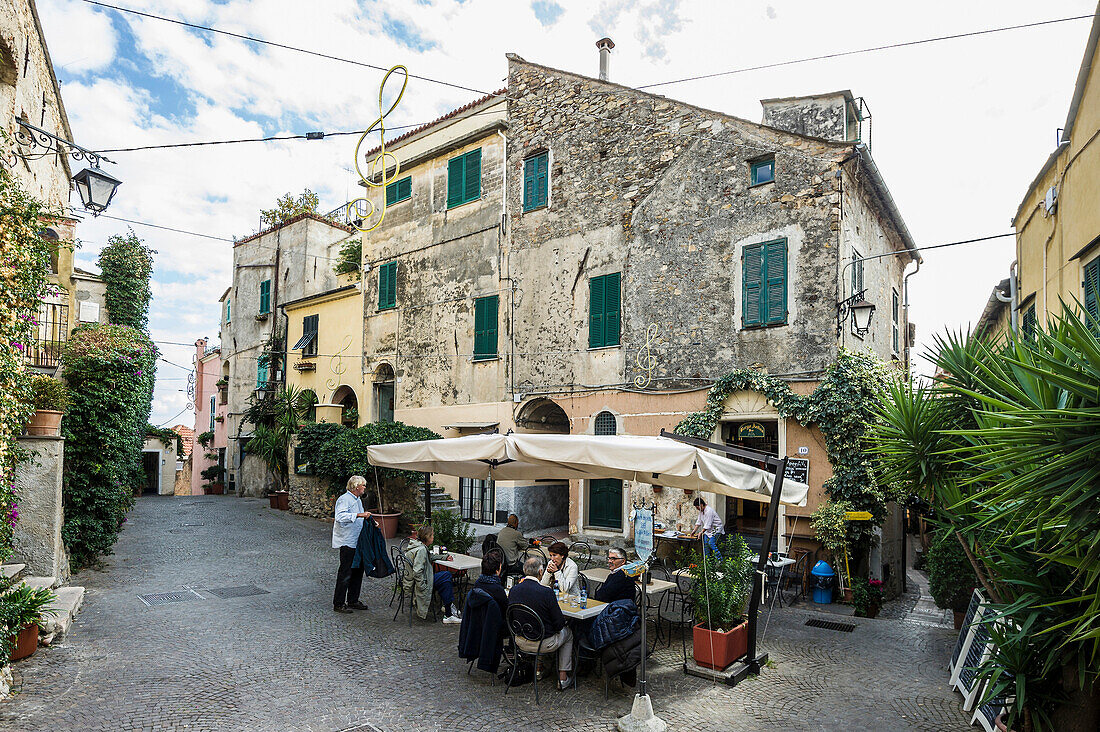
{"x":976,"y":600}
{"x":797,"y":469}
{"x":968,"y":673}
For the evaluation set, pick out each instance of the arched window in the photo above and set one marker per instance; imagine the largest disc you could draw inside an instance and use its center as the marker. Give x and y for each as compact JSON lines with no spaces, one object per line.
{"x":605,"y":424}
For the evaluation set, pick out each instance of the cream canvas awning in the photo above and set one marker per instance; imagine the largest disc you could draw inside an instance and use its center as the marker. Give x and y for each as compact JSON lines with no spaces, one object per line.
{"x":653,"y":460}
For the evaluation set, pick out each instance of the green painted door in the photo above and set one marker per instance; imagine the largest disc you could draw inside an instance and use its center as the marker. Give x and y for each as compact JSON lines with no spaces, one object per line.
{"x":605,"y":506}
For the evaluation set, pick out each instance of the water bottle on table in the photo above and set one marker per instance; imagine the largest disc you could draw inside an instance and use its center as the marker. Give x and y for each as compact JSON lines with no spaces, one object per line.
{"x":584,"y":597}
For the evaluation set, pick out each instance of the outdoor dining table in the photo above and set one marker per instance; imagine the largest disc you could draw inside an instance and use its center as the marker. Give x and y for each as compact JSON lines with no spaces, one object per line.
{"x":457,"y":565}
{"x":580,"y":613}
{"x":599,"y":575}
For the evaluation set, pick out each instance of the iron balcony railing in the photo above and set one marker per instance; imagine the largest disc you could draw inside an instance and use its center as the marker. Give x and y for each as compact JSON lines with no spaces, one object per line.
{"x":50,"y":335}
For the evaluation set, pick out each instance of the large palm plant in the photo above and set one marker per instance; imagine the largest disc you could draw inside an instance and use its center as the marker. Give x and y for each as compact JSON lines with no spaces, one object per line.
{"x":1006,"y":446}
{"x":276,"y":419}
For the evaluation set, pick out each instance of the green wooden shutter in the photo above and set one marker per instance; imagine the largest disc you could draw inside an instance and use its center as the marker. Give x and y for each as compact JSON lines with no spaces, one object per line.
{"x":542,"y":179}
{"x":387,"y":285}
{"x":1092,"y":293}
{"x":473,"y":176}
{"x":383,"y":274}
{"x":261,"y":375}
{"x":775,"y":271}
{"x":229,"y":311}
{"x":404,"y":188}
{"x":605,"y":507}
{"x":265,"y":296}
{"x":611,"y":309}
{"x":595,"y":312}
{"x":530,"y":166}
{"x":479,"y":328}
{"x":456,"y":169}
{"x":485,"y":326}
{"x":391,"y":194}
{"x":752,"y":297}
{"x":1029,"y":322}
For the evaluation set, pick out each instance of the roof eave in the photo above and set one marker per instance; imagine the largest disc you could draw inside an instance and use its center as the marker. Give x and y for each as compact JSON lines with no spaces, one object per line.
{"x":888,"y":201}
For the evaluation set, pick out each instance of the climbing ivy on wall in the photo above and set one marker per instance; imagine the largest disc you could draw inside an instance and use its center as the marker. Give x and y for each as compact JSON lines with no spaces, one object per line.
{"x":126,"y":267}
{"x":24,"y":280}
{"x":842,"y":407}
{"x":110,"y":370}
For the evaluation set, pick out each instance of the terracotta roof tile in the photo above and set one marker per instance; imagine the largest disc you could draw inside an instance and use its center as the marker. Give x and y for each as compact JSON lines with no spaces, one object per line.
{"x":434,"y":122}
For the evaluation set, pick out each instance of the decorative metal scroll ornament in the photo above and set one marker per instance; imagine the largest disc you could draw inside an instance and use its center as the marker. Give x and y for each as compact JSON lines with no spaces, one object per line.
{"x":645,"y":359}
{"x":337,"y":367}
{"x":32,"y":143}
{"x":362,"y":208}
{"x":191,"y":387}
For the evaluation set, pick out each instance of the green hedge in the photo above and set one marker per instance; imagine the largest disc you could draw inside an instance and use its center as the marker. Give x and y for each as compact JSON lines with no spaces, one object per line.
{"x":111,"y":370}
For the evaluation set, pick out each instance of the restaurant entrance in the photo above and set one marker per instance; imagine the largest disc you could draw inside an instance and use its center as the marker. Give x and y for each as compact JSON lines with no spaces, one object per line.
{"x":747,"y":517}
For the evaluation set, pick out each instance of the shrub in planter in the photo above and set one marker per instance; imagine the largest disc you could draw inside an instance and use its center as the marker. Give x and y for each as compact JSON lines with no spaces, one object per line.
{"x":50,"y":400}
{"x":951,"y":577}
{"x":719,"y":592}
{"x":21,"y":609}
{"x":866,"y":597}
{"x":452,"y":532}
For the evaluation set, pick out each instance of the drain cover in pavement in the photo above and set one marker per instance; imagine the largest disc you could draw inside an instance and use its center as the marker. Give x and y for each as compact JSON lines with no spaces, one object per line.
{"x":243,"y":591}
{"x":829,"y":625}
{"x":167,"y":598}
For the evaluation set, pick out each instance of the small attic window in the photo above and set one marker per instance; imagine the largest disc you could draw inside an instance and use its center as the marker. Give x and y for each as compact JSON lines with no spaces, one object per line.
{"x":762,"y":171}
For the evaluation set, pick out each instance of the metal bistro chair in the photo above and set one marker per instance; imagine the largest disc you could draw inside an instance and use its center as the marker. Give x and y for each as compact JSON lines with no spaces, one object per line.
{"x":581,"y":553}
{"x":547,"y":540}
{"x":680,"y":609}
{"x":797,"y":575}
{"x":397,"y":574}
{"x":535,"y":551}
{"x":523,"y":623}
{"x":404,"y":569}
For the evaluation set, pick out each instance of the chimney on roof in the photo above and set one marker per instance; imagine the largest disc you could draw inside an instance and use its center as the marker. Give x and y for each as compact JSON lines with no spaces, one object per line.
{"x":605,"y":45}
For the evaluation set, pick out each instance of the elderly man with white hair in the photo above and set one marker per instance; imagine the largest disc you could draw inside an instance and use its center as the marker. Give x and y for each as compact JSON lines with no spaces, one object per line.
{"x":544,"y":603}
{"x":347,"y":524}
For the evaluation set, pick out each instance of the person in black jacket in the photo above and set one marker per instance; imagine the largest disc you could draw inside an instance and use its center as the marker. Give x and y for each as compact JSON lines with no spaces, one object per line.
{"x":617,"y":586}
{"x":544,"y":603}
{"x":490,"y":582}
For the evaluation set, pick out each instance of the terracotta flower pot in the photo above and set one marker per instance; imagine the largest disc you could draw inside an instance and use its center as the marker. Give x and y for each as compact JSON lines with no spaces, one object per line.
{"x":715,"y":650}
{"x":45,"y":422}
{"x":872,"y":611}
{"x":26,"y":642}
{"x":847,"y":595}
{"x":273,"y":499}
{"x":387,"y":524}
{"x":216,"y":489}
{"x":282,"y":500}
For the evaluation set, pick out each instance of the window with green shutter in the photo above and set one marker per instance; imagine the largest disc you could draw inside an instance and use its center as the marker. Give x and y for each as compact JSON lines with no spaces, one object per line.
{"x":464,"y":178}
{"x":1091,"y":286}
{"x":228,"y":311}
{"x":261,"y":375}
{"x":1029,"y":322}
{"x":895,"y":322}
{"x":387,"y":286}
{"x":764,"y":284}
{"x":857,"y":272}
{"x":605,"y":503}
{"x":485,"y":327}
{"x":399,"y":190}
{"x":536,"y":181}
{"x":604,"y":303}
{"x":265,"y":297}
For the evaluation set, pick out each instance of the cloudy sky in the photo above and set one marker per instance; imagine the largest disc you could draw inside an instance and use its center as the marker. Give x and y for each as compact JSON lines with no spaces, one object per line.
{"x":960,"y":127}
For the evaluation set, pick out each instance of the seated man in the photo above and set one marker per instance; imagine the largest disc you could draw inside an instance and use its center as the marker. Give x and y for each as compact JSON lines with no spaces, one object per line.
{"x":483,"y":631}
{"x":512,"y":542}
{"x":490,"y":582}
{"x":543,"y":602}
{"x":617,"y":586}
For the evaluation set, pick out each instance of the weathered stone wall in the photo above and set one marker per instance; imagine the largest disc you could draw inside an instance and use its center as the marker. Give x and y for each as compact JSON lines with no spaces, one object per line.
{"x":41,"y":514}
{"x":309,"y":496}
{"x":822,"y":116}
{"x":659,"y":190}
{"x":183,"y":480}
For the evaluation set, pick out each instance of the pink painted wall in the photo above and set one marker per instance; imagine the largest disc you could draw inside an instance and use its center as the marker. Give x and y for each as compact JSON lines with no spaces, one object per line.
{"x":208,"y":369}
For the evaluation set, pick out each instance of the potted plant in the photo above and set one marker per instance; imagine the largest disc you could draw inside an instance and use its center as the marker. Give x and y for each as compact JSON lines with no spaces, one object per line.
{"x":866,"y":597}
{"x":452,"y":532}
{"x":719,"y":593}
{"x":830,"y":526}
{"x":213,"y":477}
{"x":21,"y":610}
{"x":951,"y":577}
{"x":411,"y":520}
{"x":51,"y":398}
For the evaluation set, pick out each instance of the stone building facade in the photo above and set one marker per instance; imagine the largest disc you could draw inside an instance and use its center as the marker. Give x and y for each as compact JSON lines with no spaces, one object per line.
{"x":622,"y":239}
{"x":283,"y":263}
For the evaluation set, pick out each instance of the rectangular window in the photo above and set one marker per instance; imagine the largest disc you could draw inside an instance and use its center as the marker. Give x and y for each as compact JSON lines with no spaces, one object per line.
{"x":387,"y":286}
{"x":1091,"y":286}
{"x":464,"y":178}
{"x":485,"y":327}
{"x":228,"y":311}
{"x":399,"y":190}
{"x":212,"y":403}
{"x":764,"y":284}
{"x":308,"y":341}
{"x":857,"y":272}
{"x":536,"y":181}
{"x":603,"y":310}
{"x":1028,"y":323}
{"x":261,"y":375}
{"x":265,"y":297}
{"x":762,"y":171}
{"x":895,"y":322}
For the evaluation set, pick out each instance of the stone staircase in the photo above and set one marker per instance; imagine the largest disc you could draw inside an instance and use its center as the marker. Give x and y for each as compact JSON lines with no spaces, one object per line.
{"x":442,"y":501}
{"x":65,"y":606}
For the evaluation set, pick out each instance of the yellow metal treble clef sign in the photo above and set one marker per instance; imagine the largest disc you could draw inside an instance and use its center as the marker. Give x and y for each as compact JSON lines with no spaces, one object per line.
{"x":362,"y":208}
{"x":645,"y":359}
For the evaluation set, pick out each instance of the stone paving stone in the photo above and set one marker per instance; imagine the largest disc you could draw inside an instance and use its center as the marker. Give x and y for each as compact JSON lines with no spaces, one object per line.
{"x":285,"y":661}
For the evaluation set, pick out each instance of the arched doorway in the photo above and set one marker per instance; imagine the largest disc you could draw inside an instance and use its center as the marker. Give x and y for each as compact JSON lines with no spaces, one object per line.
{"x":542,"y":415}
{"x":383,"y":393}
{"x":349,"y":414}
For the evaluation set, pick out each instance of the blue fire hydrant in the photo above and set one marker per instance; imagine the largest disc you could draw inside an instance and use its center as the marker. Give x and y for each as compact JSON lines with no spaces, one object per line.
{"x":823,"y":578}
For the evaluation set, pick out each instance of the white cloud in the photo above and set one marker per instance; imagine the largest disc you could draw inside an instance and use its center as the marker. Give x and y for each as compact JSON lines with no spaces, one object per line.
{"x":80,"y":39}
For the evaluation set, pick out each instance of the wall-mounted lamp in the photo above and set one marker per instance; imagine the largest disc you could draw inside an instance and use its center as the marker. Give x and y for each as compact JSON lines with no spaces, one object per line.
{"x":96,"y":188}
{"x":860,"y":311}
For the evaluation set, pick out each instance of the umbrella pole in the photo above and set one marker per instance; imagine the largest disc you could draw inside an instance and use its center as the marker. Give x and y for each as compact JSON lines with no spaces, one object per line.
{"x":754,"y":662}
{"x":427,"y":498}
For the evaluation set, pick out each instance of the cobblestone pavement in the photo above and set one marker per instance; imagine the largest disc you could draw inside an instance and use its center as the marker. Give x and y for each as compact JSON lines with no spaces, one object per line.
{"x":284,"y":661}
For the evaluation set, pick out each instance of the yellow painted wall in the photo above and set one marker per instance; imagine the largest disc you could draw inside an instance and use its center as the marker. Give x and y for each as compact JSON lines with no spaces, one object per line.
{"x":339,"y":347}
{"x":1046,"y":243}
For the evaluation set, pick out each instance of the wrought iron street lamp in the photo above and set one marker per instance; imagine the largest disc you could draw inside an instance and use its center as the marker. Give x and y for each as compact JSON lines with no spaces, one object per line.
{"x":96,"y":187}
{"x":860,"y":311}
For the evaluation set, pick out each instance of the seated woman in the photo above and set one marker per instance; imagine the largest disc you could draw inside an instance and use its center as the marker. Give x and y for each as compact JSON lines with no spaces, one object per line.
{"x":420,"y":582}
{"x":561,"y":568}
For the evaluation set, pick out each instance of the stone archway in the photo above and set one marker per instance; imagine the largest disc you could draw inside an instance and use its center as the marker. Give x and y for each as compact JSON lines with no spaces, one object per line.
{"x":349,"y":402}
{"x":542,"y":415}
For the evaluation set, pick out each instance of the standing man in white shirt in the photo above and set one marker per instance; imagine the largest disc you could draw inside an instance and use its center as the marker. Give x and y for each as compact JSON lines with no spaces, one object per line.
{"x":345,"y":535}
{"x":710,"y":525}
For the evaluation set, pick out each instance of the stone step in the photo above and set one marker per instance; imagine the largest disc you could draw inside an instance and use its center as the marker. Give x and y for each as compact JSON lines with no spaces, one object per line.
{"x":47,"y":582}
{"x":10,"y":570}
{"x":68,"y":602}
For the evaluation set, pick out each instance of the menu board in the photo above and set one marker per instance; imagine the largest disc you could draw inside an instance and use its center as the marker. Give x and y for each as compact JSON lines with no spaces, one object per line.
{"x":798,"y":469}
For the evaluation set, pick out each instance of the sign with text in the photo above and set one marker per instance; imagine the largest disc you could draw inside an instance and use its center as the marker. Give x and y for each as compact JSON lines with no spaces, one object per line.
{"x":798,"y":469}
{"x":857,"y":515}
{"x":643,"y":533}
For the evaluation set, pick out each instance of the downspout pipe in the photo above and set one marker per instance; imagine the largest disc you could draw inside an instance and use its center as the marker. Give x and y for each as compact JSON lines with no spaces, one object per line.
{"x":1012,"y":297}
{"x":905,"y":306}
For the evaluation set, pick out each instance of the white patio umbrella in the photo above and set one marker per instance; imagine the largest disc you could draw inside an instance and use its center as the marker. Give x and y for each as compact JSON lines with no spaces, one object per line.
{"x":654,"y":460}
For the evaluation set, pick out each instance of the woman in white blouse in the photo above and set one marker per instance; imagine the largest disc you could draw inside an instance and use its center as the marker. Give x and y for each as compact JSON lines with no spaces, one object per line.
{"x":561,"y":568}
